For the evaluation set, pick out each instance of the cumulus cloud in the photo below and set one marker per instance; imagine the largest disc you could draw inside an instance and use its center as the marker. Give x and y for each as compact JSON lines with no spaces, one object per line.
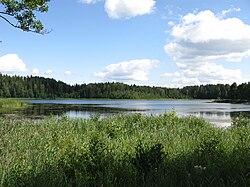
{"x":67,"y":73}
{"x":11,"y":63}
{"x":206,"y":37}
{"x":118,"y":9}
{"x":49,"y":72}
{"x":124,"y":9}
{"x":204,"y":73}
{"x":35,"y":71}
{"x":134,"y":70}
{"x":203,"y":39}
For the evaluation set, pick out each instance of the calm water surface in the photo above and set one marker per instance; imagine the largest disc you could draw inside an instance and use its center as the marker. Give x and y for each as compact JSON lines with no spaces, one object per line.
{"x":217,"y":113}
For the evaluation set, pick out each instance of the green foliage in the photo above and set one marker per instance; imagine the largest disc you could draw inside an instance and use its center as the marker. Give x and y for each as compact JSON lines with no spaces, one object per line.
{"x":10,"y":103}
{"x":240,"y":121}
{"x":147,"y":161}
{"x":24,"y":13}
{"x":133,"y":150}
{"x":40,"y":87}
{"x":232,"y":93}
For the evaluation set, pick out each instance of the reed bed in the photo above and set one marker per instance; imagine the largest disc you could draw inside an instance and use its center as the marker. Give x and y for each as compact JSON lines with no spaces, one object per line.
{"x":10,"y":103}
{"x":125,"y":150}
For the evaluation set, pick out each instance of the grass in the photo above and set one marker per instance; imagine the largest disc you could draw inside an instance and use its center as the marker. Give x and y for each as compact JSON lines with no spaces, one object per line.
{"x":126,"y":150}
{"x":11,"y":103}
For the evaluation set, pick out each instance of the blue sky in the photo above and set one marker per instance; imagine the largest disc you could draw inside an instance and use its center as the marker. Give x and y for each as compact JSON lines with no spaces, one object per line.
{"x":145,"y":42}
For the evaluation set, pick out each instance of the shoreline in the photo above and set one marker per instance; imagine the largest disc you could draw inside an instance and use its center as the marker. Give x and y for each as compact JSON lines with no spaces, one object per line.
{"x":246,"y":102}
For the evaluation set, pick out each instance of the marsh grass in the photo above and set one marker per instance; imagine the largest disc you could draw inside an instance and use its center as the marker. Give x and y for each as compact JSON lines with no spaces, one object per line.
{"x":11,"y":103}
{"x":126,"y":150}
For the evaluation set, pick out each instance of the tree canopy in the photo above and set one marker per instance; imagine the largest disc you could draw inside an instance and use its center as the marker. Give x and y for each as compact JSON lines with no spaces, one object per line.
{"x":40,"y":87}
{"x":21,"y":14}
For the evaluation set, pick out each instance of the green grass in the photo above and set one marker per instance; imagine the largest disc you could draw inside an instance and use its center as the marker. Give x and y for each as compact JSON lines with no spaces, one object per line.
{"x":11,"y":103}
{"x":132,"y":150}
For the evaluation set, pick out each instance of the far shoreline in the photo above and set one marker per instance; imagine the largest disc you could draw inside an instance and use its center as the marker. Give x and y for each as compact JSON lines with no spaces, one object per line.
{"x":231,"y":101}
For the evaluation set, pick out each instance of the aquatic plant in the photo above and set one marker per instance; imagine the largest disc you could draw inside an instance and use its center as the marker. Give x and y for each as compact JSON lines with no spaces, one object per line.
{"x":125,"y":150}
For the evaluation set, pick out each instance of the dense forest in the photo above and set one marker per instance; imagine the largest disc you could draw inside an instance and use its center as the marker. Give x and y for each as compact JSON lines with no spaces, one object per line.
{"x":40,"y":87}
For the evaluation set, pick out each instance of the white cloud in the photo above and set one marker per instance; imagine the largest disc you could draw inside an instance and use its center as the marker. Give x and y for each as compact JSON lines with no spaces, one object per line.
{"x":118,"y":9}
{"x":88,"y":1}
{"x":172,"y":75}
{"x":203,"y":39}
{"x":232,"y":9}
{"x":134,"y":70}
{"x":49,"y":72}
{"x":204,"y":73}
{"x":67,"y":73}
{"x":11,"y":63}
{"x":171,"y":23}
{"x":35,"y":71}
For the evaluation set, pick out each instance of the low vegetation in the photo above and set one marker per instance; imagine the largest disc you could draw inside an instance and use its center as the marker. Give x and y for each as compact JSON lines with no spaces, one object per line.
{"x":11,"y":103}
{"x":126,"y":150}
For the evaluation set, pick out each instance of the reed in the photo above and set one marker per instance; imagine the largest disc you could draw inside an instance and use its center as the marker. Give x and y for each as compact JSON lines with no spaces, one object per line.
{"x":125,"y":150}
{"x":11,"y":103}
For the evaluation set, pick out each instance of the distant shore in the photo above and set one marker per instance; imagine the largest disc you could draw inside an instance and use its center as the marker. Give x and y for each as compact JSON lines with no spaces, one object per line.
{"x":232,"y":101}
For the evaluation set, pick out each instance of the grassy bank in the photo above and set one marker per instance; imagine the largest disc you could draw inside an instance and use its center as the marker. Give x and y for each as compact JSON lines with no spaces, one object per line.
{"x":133,"y":150}
{"x":11,"y":103}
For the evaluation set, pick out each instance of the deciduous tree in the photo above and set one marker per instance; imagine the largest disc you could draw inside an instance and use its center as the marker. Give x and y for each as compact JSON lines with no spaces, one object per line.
{"x":21,"y":14}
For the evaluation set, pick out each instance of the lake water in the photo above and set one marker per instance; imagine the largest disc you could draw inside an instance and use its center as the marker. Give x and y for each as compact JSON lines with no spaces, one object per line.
{"x":218,"y":113}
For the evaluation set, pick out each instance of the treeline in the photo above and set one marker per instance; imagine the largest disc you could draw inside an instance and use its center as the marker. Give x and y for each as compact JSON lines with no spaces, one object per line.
{"x":220,"y":91}
{"x":40,"y":87}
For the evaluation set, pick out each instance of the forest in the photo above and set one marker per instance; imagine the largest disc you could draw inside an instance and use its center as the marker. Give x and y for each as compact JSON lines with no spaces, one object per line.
{"x":47,"y":88}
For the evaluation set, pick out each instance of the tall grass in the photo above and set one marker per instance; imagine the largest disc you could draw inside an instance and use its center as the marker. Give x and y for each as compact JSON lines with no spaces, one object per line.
{"x":10,"y":103}
{"x":132,"y":150}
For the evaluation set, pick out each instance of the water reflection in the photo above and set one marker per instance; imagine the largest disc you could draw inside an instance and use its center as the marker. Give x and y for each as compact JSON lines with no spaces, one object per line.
{"x":217,"y":113}
{"x":40,"y":111}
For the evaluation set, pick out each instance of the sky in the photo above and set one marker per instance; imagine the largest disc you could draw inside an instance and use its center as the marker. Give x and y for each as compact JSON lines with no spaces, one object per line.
{"x":170,"y":43}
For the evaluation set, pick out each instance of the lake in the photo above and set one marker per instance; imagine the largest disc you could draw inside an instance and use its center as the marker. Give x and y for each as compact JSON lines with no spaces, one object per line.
{"x":219,"y":114}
